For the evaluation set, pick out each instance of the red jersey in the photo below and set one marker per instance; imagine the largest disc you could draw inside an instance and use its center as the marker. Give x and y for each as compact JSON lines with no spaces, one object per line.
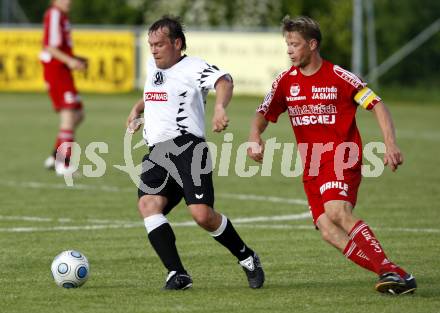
{"x":56,"y":34}
{"x":321,"y":110}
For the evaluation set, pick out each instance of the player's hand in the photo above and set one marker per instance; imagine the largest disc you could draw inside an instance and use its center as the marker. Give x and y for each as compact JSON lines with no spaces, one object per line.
{"x":134,"y":122}
{"x":256,"y":149}
{"x":393,"y":157}
{"x":220,"y":120}
{"x":76,"y":64}
{"x":83,"y":60}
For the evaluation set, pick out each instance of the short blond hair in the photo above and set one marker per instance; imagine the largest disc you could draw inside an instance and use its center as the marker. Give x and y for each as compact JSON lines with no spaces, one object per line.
{"x":306,"y":26}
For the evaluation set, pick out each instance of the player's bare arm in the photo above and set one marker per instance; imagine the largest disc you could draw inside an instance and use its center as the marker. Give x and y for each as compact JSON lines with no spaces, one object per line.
{"x":258,"y":126}
{"x":72,"y":62}
{"x":135,"y":114}
{"x":223,"y":88}
{"x":393,"y":156}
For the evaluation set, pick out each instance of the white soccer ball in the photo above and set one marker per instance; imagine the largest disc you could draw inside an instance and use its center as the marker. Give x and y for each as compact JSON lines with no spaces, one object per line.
{"x":70,"y":269}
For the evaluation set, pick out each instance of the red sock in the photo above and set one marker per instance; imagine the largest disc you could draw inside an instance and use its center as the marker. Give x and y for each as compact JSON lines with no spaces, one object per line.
{"x":356,"y":255}
{"x":365,"y":240}
{"x":64,"y":136}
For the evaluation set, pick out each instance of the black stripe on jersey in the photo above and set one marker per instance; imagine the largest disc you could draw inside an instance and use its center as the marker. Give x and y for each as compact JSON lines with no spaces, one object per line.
{"x":210,"y":69}
{"x":181,"y":114}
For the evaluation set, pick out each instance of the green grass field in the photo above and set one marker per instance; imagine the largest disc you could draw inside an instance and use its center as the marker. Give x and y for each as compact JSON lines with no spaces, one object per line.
{"x":40,"y":217}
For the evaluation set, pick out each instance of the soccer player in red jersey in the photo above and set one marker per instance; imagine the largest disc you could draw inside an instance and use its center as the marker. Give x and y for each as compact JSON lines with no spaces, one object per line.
{"x":58,"y":62}
{"x":321,"y":99}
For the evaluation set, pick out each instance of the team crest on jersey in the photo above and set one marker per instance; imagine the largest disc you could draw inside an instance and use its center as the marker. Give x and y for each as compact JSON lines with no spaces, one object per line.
{"x":294,"y":90}
{"x":159,"y":78}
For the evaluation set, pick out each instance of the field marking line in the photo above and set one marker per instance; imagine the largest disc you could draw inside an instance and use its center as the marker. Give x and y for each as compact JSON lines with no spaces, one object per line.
{"x":192,"y":223}
{"x":246,"y":197}
{"x":67,"y":228}
{"x":243,"y":222}
{"x":34,"y":219}
{"x":103,"y":224}
{"x":234,"y":196}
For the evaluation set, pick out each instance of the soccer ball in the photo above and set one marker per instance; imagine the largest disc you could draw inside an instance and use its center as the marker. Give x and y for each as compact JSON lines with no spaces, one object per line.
{"x":70,"y":269}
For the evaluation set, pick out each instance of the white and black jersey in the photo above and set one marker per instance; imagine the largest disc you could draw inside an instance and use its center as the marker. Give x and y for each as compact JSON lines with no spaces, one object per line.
{"x":175,"y":99}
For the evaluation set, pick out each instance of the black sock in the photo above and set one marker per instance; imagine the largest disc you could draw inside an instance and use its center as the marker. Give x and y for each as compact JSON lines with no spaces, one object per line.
{"x":164,"y":243}
{"x":232,"y":241}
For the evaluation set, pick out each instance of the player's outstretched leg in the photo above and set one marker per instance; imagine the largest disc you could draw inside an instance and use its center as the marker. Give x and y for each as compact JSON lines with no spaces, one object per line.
{"x":221,"y":229}
{"x":359,"y":244}
{"x":162,"y":239}
{"x":247,"y":258}
{"x":392,"y":278}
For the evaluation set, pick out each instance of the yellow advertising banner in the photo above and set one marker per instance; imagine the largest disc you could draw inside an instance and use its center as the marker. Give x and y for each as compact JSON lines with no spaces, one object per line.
{"x":252,"y":58}
{"x":20,"y":68}
{"x":111,"y":60}
{"x":110,"y":54}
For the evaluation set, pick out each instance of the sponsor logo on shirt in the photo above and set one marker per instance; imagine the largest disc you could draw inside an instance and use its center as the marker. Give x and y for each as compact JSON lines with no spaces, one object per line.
{"x":324,"y":93}
{"x":156,"y":96}
{"x":312,"y":109}
{"x":298,"y":98}
{"x":313,"y":114}
{"x":313,"y":120}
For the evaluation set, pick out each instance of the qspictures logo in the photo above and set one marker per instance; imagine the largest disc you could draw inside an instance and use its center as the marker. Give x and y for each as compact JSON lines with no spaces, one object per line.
{"x":227,"y":158}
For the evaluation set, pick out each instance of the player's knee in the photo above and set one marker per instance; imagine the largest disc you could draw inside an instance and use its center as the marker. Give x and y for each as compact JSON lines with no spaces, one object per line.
{"x":325,"y":228}
{"x":326,"y":235}
{"x":337,"y":211}
{"x":150,"y":205}
{"x":202,"y":214}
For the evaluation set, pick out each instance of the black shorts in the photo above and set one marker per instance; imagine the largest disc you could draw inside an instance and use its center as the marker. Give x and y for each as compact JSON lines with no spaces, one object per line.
{"x":176,"y":169}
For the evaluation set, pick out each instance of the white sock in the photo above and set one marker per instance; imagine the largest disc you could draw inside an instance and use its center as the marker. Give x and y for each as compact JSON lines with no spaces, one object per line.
{"x":154,"y":221}
{"x":221,"y":228}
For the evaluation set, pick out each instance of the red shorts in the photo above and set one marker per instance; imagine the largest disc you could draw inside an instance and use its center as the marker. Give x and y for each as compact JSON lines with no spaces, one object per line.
{"x":61,"y":87}
{"x":326,"y":187}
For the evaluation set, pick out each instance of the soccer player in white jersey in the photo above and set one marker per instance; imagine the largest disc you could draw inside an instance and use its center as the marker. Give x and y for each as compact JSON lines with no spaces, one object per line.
{"x":178,"y":165}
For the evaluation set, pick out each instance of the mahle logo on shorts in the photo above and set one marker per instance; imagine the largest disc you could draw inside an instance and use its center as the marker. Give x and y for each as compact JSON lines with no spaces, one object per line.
{"x":335,"y":185}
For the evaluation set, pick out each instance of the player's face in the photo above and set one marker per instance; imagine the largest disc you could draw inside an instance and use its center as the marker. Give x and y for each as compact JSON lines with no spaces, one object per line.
{"x":63,"y":5}
{"x":165,"y":52}
{"x":298,"y":49}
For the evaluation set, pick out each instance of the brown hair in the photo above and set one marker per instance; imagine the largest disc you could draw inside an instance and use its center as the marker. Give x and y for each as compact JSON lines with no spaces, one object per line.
{"x":175,"y":27}
{"x":307,"y":27}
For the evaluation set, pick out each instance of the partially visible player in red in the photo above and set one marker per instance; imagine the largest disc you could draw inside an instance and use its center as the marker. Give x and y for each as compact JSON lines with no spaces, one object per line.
{"x":58,"y":62}
{"x":321,"y":100}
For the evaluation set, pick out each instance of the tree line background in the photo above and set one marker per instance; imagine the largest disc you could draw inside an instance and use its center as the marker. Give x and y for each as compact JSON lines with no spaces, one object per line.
{"x":396,"y":22}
